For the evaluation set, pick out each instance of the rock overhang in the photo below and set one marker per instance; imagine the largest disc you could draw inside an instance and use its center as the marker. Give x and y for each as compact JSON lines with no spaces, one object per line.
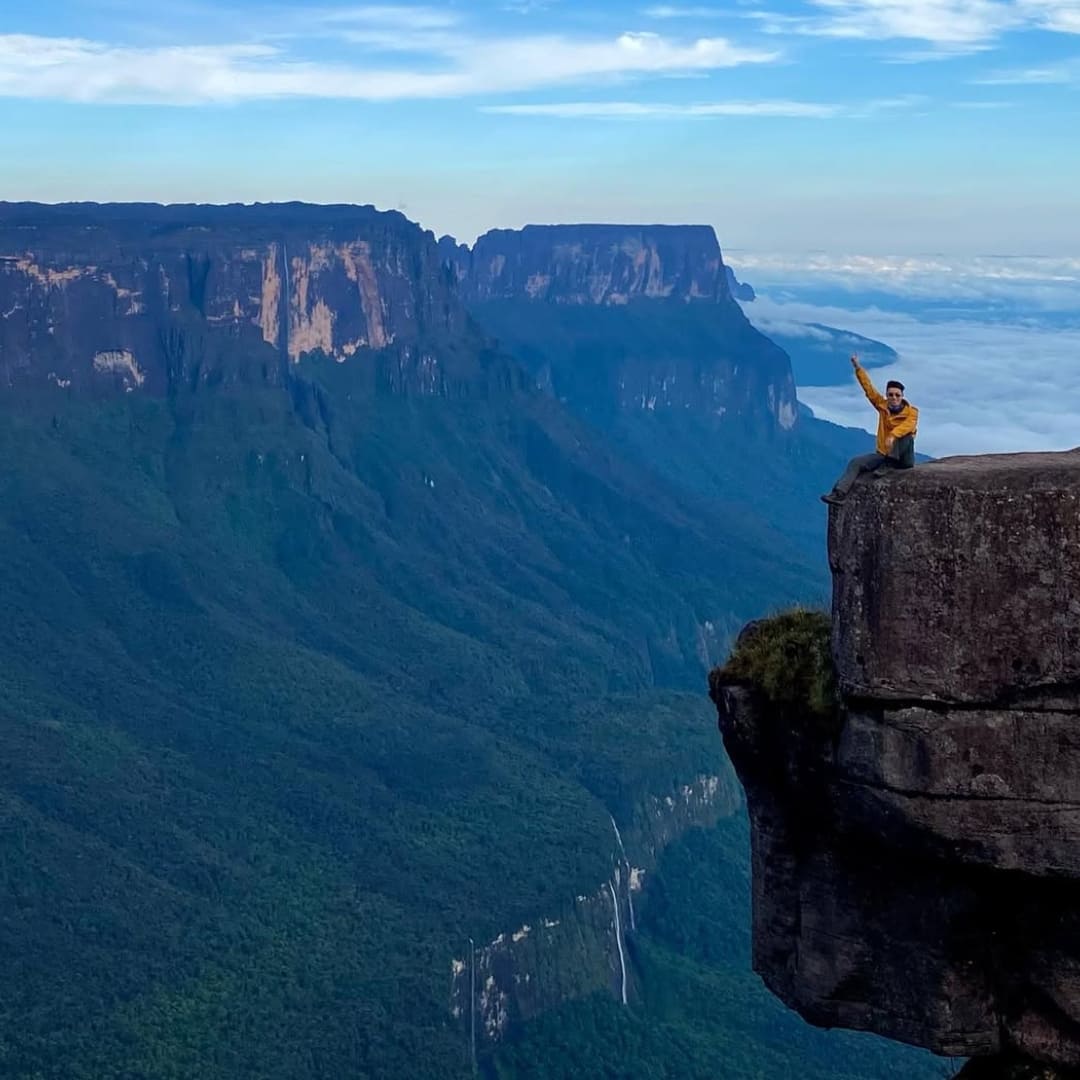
{"x":916,"y":865}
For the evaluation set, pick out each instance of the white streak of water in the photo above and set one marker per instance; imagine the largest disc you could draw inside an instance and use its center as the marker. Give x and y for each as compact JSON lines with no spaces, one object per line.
{"x":618,"y":939}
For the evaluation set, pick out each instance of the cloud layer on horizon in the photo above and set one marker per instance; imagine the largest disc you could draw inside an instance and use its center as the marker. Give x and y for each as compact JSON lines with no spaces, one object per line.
{"x":980,"y":388}
{"x":1030,"y":283}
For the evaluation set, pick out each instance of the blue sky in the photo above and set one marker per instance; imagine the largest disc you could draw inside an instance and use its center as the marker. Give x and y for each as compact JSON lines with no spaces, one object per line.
{"x":898,"y":126}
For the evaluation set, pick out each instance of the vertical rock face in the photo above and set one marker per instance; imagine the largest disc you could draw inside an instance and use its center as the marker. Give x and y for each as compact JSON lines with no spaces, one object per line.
{"x":739,"y":289}
{"x":960,"y":583}
{"x":626,"y":318}
{"x":917,"y":860}
{"x":127,"y":297}
{"x":596,"y":264}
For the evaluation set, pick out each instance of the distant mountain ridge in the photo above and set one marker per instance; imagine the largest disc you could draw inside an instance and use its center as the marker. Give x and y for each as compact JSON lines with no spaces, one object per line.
{"x":618,"y":318}
{"x":592,"y":264}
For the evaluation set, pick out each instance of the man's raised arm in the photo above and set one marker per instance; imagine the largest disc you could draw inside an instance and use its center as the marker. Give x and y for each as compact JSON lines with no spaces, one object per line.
{"x":872,"y":395}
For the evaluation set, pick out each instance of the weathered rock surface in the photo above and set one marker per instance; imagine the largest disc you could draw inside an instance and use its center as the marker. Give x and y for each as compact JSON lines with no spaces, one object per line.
{"x":960,"y":582}
{"x":917,"y":862}
{"x":130,"y":297}
{"x":593,"y":264}
{"x":617,"y":319}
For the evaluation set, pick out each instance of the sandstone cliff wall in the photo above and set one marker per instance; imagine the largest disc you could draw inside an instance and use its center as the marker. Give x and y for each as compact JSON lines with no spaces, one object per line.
{"x":133,"y":297}
{"x":609,"y":265}
{"x":618,"y":319}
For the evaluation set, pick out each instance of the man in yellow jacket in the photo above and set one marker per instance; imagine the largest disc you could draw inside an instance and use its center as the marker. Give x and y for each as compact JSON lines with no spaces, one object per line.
{"x":898,"y":420}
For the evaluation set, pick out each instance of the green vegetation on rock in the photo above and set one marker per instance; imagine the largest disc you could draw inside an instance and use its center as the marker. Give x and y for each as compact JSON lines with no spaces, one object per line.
{"x":786,"y":658}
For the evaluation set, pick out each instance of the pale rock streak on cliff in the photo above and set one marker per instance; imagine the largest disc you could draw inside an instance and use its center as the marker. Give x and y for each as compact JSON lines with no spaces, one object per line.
{"x":580,"y":948}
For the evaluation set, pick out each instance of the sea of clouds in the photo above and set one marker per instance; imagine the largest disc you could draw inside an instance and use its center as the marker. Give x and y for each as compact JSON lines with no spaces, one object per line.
{"x":989,"y":347}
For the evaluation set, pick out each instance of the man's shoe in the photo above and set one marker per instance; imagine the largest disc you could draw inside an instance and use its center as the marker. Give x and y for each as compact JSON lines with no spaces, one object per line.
{"x":832,"y":499}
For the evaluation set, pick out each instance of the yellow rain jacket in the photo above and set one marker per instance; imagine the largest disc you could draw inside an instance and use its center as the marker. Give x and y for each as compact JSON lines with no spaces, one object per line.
{"x":894,"y":425}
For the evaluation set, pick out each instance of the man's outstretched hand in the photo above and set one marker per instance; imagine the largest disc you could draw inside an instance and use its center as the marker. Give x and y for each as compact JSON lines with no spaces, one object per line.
{"x":855,"y":361}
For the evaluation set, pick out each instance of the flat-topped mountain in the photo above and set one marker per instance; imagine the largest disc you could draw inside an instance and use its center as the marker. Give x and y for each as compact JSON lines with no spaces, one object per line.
{"x":622,"y":319}
{"x":133,"y":297}
{"x":592,"y":264}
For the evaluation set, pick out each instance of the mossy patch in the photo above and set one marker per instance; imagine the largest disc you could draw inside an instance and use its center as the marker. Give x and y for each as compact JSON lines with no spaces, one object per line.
{"x":787,"y":659}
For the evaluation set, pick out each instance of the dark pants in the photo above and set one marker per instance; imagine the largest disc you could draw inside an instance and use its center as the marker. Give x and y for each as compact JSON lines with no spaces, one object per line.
{"x":902,"y":457}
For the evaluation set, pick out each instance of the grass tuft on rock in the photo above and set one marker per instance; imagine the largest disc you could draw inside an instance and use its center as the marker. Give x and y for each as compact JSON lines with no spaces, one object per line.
{"x":787,"y":659}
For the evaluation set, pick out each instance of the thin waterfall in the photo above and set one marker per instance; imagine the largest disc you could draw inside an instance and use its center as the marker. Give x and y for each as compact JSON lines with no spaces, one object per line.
{"x":618,"y":939}
{"x":626,"y":864}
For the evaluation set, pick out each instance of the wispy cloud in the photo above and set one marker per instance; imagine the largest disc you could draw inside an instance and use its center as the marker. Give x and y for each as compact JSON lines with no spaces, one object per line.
{"x":600,"y":110}
{"x":1060,"y":15}
{"x":386,"y":27}
{"x":591,"y":110}
{"x":941,"y":51}
{"x":674,"y":11}
{"x":526,"y":7}
{"x":955,"y":24}
{"x":949,"y":27}
{"x":1047,"y":75}
{"x":459,"y":65}
{"x":402,"y":17}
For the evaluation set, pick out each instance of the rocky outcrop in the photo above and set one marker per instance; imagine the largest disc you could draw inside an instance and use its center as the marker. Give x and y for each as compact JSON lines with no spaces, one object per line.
{"x":136,"y":297}
{"x":917,"y":851}
{"x":742,"y":292}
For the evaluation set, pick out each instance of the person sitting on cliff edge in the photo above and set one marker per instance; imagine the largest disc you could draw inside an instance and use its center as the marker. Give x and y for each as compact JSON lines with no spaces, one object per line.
{"x":898,"y":420}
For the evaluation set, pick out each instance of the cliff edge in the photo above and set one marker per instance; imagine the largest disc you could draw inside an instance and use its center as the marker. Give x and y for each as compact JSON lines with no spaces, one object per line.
{"x":913,"y":767}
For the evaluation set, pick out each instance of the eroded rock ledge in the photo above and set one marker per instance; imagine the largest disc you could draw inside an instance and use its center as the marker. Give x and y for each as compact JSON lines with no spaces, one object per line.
{"x":916,"y":839}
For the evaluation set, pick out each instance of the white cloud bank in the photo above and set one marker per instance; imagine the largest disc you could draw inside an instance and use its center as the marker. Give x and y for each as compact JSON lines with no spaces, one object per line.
{"x":1023,"y":282}
{"x":980,"y":388}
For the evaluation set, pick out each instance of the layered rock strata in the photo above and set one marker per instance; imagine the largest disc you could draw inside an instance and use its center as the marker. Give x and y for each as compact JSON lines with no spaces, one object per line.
{"x":917,"y":853}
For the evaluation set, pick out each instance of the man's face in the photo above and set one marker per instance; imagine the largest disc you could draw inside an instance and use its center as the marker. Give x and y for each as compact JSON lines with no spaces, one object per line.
{"x":895,"y":398}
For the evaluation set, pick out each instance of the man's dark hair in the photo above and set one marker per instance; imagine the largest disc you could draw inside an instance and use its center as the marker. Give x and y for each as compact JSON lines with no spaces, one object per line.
{"x":893,"y":383}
